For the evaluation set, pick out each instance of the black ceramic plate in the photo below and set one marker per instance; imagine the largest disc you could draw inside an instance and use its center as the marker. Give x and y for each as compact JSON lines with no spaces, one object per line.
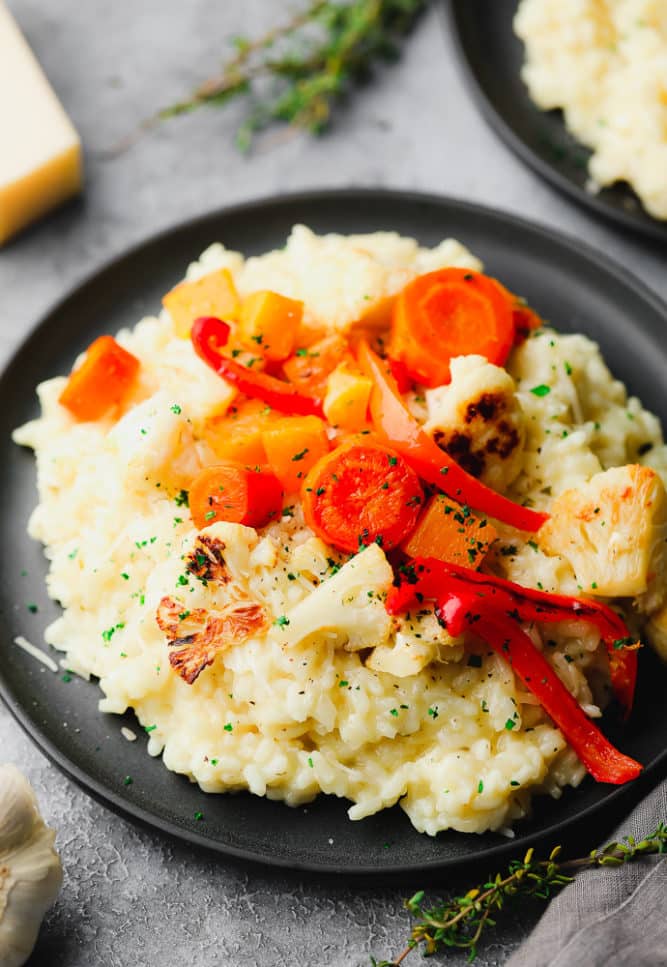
{"x":565,"y":281}
{"x":492,"y":56}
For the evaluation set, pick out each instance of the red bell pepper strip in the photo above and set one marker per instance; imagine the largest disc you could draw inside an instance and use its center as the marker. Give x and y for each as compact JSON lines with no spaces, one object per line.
{"x":528,"y":604}
{"x":603,"y":760}
{"x":210,"y":334}
{"x":483,"y":610}
{"x":403,"y":432}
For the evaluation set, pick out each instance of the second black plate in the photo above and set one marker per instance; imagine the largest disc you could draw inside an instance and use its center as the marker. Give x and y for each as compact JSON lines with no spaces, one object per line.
{"x":492,"y":56}
{"x":565,"y":281}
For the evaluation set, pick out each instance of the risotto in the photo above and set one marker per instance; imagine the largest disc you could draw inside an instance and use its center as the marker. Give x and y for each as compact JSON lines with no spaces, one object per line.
{"x":604,"y":62}
{"x":261,"y":655}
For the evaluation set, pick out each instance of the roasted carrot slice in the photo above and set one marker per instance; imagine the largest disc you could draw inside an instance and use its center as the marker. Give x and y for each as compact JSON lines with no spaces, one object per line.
{"x":292,"y":445}
{"x":361,"y":493}
{"x":101,"y":381}
{"x":448,"y":313}
{"x":449,"y":532}
{"x":231,"y":492}
{"x":212,"y":295}
{"x":268,"y":323}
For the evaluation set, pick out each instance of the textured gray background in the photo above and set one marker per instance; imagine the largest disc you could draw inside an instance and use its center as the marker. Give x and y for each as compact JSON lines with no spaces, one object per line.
{"x":132,"y":898}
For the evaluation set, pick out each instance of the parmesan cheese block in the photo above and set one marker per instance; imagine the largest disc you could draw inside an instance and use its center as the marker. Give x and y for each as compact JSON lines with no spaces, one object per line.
{"x":40,"y":161}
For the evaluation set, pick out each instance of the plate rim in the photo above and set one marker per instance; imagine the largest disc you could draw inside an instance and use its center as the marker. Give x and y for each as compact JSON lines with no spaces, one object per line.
{"x":653,"y":229}
{"x":106,"y":795}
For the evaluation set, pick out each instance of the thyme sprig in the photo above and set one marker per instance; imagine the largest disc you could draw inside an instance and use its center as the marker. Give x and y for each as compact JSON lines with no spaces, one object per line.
{"x":296,"y":72}
{"x":461,"y":921}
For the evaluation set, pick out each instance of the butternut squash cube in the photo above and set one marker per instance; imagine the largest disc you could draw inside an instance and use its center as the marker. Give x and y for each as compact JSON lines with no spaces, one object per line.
{"x":449,"y":532}
{"x":269,"y":323}
{"x":347,"y":396}
{"x":213,"y":294}
{"x":293,"y":445}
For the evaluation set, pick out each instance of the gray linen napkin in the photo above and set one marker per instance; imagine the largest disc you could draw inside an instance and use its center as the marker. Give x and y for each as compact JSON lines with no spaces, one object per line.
{"x":608,"y":917}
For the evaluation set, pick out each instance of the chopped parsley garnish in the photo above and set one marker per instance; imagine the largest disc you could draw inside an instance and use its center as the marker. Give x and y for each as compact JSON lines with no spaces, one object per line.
{"x":282,"y":620}
{"x":480,"y":786}
{"x":182,"y":499}
{"x":510,"y":724}
{"x":32,"y":607}
{"x":176,"y":409}
{"x":109,"y":633}
{"x":228,"y":727}
{"x":301,"y":454}
{"x":541,"y":390}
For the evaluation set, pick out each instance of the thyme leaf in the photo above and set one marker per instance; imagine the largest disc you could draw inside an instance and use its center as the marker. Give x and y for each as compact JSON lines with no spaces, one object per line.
{"x":296,"y":72}
{"x":461,"y":921}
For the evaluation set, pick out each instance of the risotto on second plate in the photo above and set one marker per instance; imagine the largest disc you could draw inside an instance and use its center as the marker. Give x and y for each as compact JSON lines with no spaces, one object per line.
{"x":604,"y":62}
{"x":274,"y":574}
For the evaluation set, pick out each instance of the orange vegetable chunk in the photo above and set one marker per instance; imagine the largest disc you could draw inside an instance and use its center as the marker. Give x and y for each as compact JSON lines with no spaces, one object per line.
{"x":231,"y":492}
{"x":101,"y":381}
{"x":308,"y":369}
{"x":449,"y":532}
{"x":347,"y":397}
{"x":213,"y":294}
{"x":238,"y":434}
{"x":447,"y":313}
{"x":361,"y":493}
{"x":293,"y":445}
{"x":269,"y":322}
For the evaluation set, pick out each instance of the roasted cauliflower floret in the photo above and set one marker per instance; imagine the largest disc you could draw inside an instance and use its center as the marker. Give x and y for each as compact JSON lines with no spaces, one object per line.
{"x":350,"y":604}
{"x":613,"y":532}
{"x":198,"y":636}
{"x":478,"y":420}
{"x":153,"y":443}
{"x":419,"y":640}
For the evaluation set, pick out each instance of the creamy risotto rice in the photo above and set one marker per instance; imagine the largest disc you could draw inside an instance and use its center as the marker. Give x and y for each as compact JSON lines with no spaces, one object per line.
{"x":332,"y":695}
{"x":604,"y":62}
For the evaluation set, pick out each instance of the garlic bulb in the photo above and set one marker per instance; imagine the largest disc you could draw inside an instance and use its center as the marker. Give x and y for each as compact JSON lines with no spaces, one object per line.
{"x":30,"y":869}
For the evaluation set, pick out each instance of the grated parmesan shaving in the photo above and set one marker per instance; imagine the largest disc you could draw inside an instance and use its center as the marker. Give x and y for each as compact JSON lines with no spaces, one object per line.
{"x":36,"y":652}
{"x":128,"y":734}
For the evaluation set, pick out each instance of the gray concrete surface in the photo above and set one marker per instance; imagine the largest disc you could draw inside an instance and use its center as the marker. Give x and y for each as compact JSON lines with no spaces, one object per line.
{"x":132,"y":898}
